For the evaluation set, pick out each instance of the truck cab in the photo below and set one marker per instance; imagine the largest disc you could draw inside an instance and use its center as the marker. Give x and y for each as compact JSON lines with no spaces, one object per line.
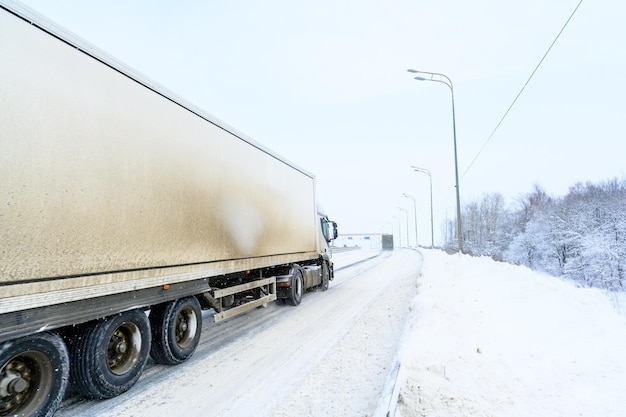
{"x":299,"y":278}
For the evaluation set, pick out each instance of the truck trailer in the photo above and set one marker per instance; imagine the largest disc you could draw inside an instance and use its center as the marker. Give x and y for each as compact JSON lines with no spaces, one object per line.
{"x":125,"y":212}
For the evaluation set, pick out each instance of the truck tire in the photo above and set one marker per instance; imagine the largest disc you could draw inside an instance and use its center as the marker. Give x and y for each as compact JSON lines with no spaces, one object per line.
{"x":297,"y":288}
{"x":325,"y":276}
{"x":109,"y":355}
{"x":34,"y":371}
{"x":176,"y":328}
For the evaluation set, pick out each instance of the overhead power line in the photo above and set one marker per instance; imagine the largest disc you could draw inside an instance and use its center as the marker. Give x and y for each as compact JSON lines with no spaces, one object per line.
{"x":522,"y":90}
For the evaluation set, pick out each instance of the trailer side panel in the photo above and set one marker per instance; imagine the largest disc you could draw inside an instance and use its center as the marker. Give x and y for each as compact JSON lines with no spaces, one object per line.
{"x":101,"y":174}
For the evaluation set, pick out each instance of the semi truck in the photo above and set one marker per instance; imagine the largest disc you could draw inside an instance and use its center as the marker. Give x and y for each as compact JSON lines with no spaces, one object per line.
{"x":125,"y":212}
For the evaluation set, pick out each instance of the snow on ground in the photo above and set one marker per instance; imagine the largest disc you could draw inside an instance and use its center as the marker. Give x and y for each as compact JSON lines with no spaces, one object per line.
{"x":492,"y":339}
{"x":475,"y":338}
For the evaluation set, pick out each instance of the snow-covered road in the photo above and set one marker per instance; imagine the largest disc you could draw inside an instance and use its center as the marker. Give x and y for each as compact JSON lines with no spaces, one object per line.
{"x":329,"y":356}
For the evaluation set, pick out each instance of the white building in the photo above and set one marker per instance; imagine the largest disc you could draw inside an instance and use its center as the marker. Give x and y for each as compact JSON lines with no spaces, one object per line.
{"x":365,"y":241}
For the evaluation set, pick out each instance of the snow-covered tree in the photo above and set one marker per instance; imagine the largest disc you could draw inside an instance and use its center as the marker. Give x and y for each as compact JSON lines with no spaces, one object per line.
{"x":528,"y":232}
{"x":601,"y":222}
{"x":581,"y":236}
{"x":487,"y":226}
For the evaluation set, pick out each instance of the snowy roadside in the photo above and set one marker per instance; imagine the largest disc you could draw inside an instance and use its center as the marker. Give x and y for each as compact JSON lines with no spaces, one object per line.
{"x":492,"y":339}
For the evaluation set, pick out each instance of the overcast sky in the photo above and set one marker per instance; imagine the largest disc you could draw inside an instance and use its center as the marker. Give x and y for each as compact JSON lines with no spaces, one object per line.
{"x":324,"y":84}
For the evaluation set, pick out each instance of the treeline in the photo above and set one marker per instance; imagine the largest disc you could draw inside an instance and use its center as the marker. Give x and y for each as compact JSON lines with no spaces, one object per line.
{"x":581,"y":236}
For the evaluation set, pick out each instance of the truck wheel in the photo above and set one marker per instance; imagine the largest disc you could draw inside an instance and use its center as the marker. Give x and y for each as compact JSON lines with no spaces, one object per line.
{"x":325,"y":276}
{"x":33,"y":375}
{"x":176,"y":328}
{"x":109,"y":356}
{"x":297,"y":288}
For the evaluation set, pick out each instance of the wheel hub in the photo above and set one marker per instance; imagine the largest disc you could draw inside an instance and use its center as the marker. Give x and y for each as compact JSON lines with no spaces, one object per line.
{"x":117,"y":350}
{"x":12,"y":383}
{"x":15,"y":382}
{"x":186,"y":325}
{"x":123,"y":349}
{"x":17,"y":385}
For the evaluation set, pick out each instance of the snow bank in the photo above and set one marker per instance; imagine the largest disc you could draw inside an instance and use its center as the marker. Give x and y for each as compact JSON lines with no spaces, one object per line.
{"x":492,"y":339}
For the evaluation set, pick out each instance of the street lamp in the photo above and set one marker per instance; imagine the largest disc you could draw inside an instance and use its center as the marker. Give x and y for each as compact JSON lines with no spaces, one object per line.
{"x":399,"y":230}
{"x":415,"y":213}
{"x":448,"y":82}
{"x":406,"y":213}
{"x":430,"y":177}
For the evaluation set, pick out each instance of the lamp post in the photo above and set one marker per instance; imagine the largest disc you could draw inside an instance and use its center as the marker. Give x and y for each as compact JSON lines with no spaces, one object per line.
{"x":430,"y":177}
{"x":406,"y":213}
{"x":415,"y":213}
{"x":448,"y":82}
{"x":399,"y":230}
